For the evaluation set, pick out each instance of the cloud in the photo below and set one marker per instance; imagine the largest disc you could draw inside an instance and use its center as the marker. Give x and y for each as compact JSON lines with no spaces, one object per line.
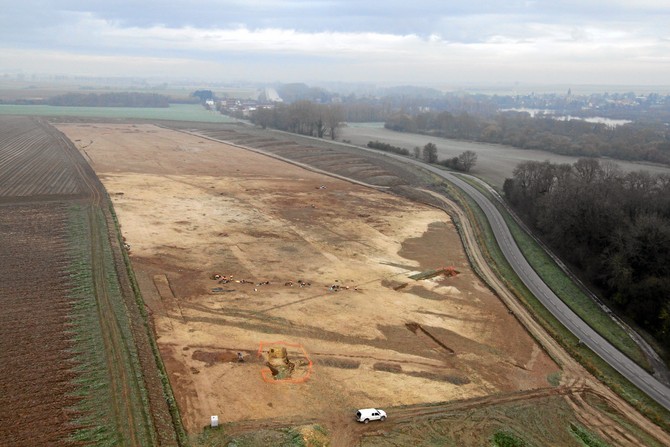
{"x":428,"y":41}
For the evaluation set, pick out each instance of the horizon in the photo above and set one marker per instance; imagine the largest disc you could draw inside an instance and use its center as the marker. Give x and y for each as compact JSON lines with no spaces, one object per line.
{"x":36,"y":81}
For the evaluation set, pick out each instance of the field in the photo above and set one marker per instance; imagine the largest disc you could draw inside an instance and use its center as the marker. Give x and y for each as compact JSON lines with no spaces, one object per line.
{"x":495,"y":162}
{"x":239,"y":255}
{"x":72,"y":348}
{"x":280,"y":296}
{"x":35,"y":315}
{"x":177,"y":112}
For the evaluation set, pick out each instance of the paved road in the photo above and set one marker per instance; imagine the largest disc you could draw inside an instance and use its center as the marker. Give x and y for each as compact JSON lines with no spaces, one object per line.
{"x":629,"y":369}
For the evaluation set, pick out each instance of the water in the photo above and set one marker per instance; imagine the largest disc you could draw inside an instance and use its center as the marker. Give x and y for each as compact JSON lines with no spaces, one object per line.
{"x":550,"y":113}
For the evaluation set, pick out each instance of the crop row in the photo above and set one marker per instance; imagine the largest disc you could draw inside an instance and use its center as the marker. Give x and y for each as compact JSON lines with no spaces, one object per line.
{"x":32,"y":162}
{"x":339,"y":161}
{"x":36,"y":365}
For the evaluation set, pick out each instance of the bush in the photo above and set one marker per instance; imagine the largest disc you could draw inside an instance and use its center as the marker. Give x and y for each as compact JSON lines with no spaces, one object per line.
{"x":388,"y":148}
{"x":506,"y":439}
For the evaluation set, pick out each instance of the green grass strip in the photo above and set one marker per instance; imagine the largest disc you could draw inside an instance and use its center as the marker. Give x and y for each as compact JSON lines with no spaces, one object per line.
{"x":182,"y":437}
{"x":586,"y":437}
{"x":96,"y":421}
{"x":98,"y":424}
{"x":138,"y":396}
{"x":176,"y":112}
{"x":506,"y":439}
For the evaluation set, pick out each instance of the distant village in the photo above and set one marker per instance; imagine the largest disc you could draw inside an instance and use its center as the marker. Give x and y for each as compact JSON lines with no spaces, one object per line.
{"x":267,"y":98}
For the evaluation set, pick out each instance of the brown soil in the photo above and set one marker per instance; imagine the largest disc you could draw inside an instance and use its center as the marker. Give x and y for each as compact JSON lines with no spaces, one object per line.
{"x":52,"y":383}
{"x":36,"y":386}
{"x":190,"y":208}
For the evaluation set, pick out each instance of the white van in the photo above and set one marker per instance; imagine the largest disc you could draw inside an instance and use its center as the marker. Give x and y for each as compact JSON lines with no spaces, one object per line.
{"x":366,"y":415}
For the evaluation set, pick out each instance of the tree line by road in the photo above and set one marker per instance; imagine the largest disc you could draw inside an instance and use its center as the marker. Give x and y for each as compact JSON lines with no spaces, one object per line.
{"x":612,"y":226}
{"x":464,"y":162}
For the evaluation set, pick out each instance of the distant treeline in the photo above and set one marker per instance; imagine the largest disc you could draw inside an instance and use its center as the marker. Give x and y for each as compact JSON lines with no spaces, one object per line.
{"x":612,"y":226}
{"x":649,"y":142}
{"x":116,"y":99}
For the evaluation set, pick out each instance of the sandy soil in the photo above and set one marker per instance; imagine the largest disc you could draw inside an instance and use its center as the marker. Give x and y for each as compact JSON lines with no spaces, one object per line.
{"x":191,"y":208}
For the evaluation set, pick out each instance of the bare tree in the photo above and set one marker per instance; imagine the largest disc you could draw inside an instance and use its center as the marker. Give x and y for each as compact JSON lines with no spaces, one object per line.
{"x":467,"y":160}
{"x":334,"y":118}
{"x":430,"y":153}
{"x":263,"y":117}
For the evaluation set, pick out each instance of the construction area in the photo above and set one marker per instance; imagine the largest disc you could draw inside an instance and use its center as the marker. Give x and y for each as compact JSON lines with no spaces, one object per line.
{"x":278,"y":293}
{"x":235,"y":250}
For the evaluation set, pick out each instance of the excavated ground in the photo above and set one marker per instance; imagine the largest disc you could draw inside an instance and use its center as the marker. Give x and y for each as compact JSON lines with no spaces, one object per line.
{"x":190,"y":208}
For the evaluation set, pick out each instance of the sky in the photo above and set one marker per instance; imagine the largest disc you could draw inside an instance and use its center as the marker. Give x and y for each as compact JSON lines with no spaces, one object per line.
{"x":433,"y":42}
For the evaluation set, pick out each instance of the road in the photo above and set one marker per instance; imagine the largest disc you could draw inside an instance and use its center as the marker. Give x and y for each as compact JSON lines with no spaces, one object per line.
{"x":589,"y":337}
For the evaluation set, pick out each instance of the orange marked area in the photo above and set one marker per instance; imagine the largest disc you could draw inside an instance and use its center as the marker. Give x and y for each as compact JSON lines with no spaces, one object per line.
{"x":286,"y":362}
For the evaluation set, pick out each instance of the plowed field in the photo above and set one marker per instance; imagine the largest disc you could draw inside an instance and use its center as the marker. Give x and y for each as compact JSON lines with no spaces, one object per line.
{"x":36,"y":374}
{"x":75,"y":364}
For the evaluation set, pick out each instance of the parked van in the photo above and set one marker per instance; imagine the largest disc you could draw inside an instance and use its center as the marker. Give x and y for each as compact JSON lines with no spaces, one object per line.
{"x":366,"y":415}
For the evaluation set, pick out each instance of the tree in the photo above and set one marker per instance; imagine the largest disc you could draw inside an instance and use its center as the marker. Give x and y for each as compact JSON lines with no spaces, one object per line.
{"x":417,"y":152}
{"x":204,"y":95}
{"x":587,"y":170}
{"x":334,"y":118}
{"x":430,"y":153}
{"x":303,"y":117}
{"x":263,"y":117}
{"x":467,"y":160}
{"x":613,"y":227}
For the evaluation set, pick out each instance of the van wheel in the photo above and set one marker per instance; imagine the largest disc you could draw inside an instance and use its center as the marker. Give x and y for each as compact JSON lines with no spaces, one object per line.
{"x":366,"y":421}
{"x":383,"y":418}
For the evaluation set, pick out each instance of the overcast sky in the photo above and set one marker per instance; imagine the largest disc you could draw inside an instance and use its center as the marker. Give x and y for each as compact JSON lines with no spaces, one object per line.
{"x":438,"y":42}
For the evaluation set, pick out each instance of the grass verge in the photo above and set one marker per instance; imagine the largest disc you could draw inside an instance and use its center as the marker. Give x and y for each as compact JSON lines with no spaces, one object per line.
{"x":95,"y":422}
{"x":303,"y":436}
{"x":102,"y":421}
{"x":182,"y":437}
